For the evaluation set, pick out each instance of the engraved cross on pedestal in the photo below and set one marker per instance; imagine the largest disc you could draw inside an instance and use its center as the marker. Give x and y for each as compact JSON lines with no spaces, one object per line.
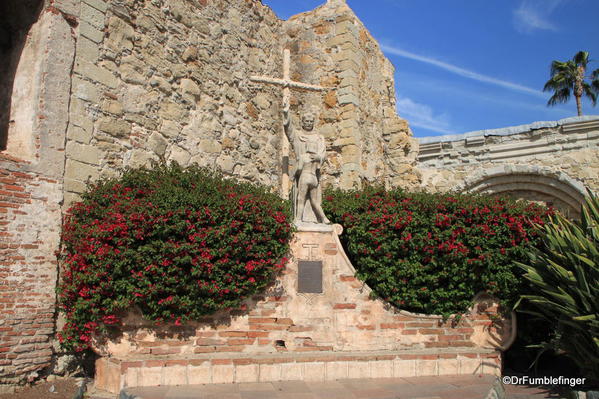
{"x":286,"y":83}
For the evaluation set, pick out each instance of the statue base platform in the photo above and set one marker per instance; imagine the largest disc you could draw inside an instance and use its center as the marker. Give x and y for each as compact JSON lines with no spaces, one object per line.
{"x":114,"y":374}
{"x":318,"y":227}
{"x":316,"y":322}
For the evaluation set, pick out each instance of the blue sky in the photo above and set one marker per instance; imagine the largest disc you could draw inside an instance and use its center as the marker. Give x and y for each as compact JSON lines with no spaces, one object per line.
{"x":465,"y":65}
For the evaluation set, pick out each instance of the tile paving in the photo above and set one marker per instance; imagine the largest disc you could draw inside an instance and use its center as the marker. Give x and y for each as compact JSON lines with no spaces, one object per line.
{"x":439,"y":387}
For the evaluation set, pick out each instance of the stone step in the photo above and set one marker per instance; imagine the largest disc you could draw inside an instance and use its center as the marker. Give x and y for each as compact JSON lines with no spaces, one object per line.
{"x":441,"y":387}
{"x":113,"y":374}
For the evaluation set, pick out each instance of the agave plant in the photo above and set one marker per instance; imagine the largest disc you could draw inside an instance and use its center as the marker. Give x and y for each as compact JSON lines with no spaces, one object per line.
{"x":564,"y":276}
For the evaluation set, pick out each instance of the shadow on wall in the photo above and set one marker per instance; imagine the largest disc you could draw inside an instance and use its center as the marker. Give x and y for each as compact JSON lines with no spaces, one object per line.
{"x":16,"y":18}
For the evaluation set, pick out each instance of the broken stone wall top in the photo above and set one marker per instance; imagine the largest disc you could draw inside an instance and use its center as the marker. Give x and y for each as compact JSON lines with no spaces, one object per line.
{"x":159,"y":79}
{"x":365,"y":137}
{"x":169,"y":80}
{"x":552,"y":162}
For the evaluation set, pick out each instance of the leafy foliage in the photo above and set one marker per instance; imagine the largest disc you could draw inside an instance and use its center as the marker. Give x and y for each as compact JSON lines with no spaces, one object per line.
{"x":564,"y":275}
{"x":431,"y":253}
{"x":177,"y":243}
{"x":569,"y":78}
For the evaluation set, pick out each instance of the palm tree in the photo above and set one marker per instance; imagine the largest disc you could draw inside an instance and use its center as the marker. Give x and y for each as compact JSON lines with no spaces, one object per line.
{"x":569,"y":77}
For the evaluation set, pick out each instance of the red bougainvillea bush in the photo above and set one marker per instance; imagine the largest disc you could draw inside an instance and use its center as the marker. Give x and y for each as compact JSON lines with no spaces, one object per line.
{"x":432,"y":253}
{"x":176,"y":243}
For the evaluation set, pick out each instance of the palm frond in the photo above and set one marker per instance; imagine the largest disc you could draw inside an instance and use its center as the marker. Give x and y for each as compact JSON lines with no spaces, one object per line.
{"x":560,"y":96}
{"x":595,"y":80}
{"x":558,"y":82}
{"x":566,"y":77}
{"x":581,"y":58}
{"x":590,"y":92}
{"x":558,"y":67}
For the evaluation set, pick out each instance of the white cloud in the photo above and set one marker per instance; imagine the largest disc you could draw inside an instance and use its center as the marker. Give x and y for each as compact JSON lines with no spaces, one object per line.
{"x":426,"y":84}
{"x":422,"y":115}
{"x":534,"y":15}
{"x":462,"y":71}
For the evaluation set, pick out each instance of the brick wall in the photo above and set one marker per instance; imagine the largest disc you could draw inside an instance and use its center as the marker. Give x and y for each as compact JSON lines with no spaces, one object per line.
{"x":29,"y":231}
{"x":31,"y":194}
{"x":264,"y":331}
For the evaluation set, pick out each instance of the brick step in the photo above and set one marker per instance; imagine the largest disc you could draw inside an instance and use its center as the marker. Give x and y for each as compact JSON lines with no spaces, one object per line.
{"x":113,"y":374}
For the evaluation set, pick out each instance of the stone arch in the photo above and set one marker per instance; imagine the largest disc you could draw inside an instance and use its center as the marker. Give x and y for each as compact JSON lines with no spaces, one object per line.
{"x":533,"y":183}
{"x":17,"y":71}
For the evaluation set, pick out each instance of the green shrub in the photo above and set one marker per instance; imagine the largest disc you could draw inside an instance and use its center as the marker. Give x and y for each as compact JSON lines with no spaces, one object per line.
{"x":431,"y":253}
{"x":564,"y":275}
{"x":176,"y":243}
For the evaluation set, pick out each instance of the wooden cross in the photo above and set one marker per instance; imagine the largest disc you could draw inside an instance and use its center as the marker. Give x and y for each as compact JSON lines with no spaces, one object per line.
{"x":287,"y":84}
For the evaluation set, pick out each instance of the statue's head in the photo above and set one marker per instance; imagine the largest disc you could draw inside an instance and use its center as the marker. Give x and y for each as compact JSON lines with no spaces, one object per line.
{"x":308,"y":121}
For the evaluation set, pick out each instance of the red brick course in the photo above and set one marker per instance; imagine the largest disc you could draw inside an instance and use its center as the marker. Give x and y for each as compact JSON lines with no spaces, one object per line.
{"x":277,"y":332}
{"x":27,"y":269}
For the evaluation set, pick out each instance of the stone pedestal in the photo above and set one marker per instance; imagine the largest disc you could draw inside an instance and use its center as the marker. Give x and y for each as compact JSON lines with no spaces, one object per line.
{"x":333,"y":331}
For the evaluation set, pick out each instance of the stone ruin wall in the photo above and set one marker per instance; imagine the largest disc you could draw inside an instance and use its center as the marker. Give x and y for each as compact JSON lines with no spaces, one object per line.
{"x":549,"y":162}
{"x":119,"y":83}
{"x":31,"y":194}
{"x":170,"y":79}
{"x":366,"y":140}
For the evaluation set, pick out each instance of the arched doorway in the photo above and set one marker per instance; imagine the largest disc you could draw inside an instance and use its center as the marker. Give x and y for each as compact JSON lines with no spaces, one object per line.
{"x":531,"y":183}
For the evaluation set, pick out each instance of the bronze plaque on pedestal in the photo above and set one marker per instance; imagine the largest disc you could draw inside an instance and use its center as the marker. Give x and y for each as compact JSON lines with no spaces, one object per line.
{"x":309,"y":277}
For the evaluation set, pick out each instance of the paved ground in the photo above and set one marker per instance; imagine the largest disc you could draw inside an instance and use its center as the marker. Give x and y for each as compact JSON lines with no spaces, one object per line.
{"x":442,"y":387}
{"x":530,"y":392}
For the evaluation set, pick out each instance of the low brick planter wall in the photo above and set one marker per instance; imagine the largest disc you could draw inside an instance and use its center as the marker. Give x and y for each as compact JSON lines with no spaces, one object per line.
{"x":286,"y":335}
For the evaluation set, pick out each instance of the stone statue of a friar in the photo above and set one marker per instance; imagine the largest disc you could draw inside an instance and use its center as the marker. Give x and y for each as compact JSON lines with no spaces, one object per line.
{"x":309,"y":149}
{"x":310,"y":152}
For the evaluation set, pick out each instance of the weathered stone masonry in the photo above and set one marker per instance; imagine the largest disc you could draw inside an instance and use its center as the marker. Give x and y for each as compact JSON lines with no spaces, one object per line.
{"x":366,"y":139}
{"x":551,"y":162}
{"x":170,"y":79}
{"x":31,"y":194}
{"x":99,"y":85}
{"x":103,"y":84}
